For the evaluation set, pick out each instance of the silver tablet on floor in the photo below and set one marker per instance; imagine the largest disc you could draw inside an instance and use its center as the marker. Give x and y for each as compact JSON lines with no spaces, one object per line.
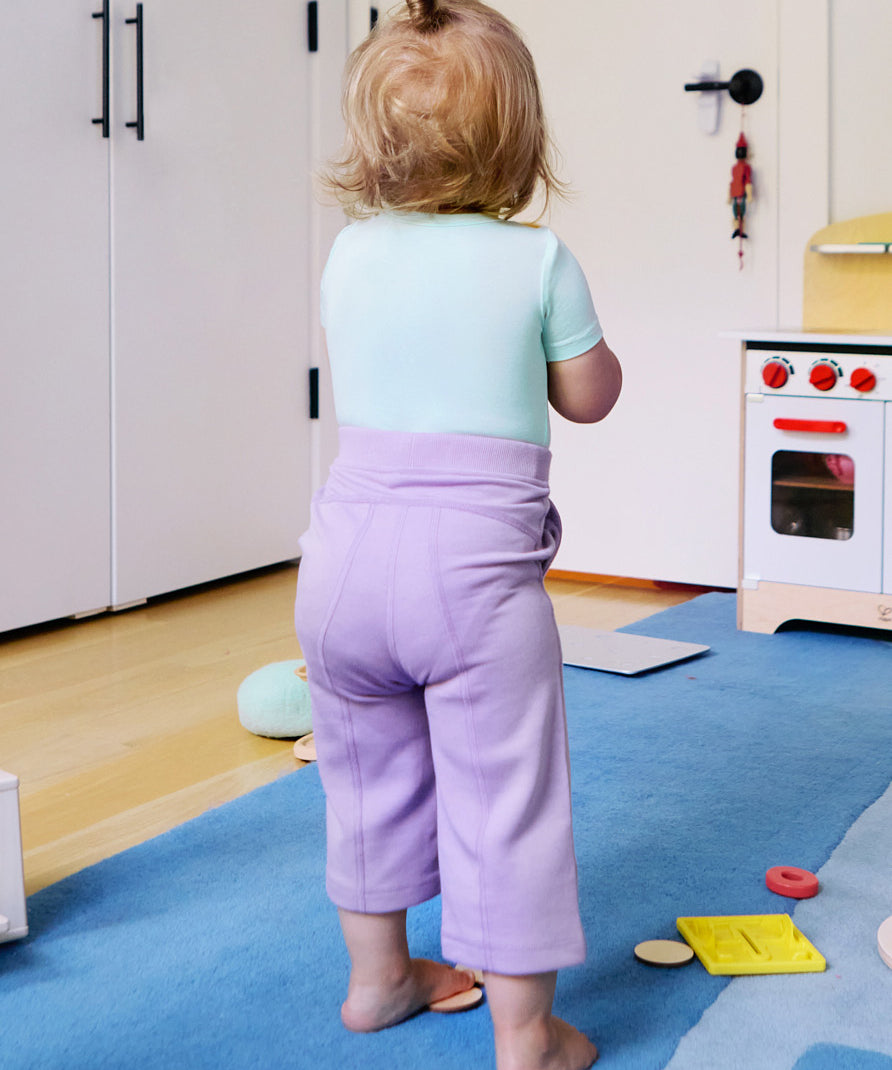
{"x":621,"y":652}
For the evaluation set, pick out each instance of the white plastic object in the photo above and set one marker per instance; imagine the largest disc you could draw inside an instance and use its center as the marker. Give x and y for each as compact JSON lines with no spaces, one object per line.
{"x":12,"y":880}
{"x":709,"y":105}
{"x":884,"y":942}
{"x":861,"y":248}
{"x":621,"y":652}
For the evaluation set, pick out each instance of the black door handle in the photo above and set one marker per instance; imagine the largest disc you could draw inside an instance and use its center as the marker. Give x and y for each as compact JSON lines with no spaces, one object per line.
{"x":139,"y":125}
{"x":745,"y":86}
{"x":104,"y":119}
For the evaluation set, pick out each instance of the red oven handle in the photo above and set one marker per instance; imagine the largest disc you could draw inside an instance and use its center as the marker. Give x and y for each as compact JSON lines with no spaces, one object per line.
{"x":820,"y":427}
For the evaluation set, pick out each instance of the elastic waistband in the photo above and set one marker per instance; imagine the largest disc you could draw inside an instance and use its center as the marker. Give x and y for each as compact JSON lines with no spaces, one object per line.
{"x":362,"y":447}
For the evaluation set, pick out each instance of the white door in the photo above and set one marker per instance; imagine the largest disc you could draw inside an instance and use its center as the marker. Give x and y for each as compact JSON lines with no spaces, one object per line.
{"x":54,"y":406}
{"x":210,"y":291}
{"x":653,"y":491}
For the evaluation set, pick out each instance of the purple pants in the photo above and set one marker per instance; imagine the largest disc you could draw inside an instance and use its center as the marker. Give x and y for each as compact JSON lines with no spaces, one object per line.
{"x":434,"y":668}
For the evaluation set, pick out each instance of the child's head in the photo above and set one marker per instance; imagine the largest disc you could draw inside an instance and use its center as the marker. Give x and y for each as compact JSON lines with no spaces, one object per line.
{"x":443,"y":114}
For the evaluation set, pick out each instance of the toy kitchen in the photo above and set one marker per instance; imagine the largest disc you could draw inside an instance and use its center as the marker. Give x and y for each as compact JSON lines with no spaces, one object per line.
{"x":816,"y":452}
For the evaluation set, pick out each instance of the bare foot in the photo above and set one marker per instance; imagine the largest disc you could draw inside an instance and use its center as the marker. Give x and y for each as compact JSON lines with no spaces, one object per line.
{"x":552,"y":1045}
{"x":369,"y":1007}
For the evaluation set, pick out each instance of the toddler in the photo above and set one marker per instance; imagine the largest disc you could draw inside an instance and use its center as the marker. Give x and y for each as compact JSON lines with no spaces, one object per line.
{"x":433,"y":657}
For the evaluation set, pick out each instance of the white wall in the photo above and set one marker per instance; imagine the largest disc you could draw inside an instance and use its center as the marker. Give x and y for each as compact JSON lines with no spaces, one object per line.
{"x":860,"y":108}
{"x":804,"y":143}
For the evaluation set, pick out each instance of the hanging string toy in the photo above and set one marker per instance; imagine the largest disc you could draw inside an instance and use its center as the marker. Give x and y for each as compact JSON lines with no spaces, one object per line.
{"x":745,"y":88}
{"x":740,"y":191}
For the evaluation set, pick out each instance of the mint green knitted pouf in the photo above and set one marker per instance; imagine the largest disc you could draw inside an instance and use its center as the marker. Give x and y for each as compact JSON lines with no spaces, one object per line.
{"x":274,"y":702}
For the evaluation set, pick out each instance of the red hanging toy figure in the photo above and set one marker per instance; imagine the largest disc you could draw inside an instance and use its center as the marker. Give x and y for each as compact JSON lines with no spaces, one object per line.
{"x":741,"y":191}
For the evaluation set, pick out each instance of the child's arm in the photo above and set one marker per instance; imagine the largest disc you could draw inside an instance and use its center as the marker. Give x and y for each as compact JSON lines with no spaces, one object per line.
{"x":585,"y":388}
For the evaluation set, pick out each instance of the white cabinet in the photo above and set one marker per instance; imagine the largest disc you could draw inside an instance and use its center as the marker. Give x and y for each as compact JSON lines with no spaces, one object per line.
{"x":54,"y":317}
{"x":156,"y":302}
{"x":210,"y":228}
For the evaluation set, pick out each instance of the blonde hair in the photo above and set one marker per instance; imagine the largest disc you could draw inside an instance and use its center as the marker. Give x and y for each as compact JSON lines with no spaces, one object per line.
{"x":443,"y":113}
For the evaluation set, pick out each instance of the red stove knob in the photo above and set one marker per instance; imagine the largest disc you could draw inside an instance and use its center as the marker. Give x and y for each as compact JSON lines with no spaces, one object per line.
{"x":823,"y":376}
{"x":863,"y":379}
{"x":775,"y":374}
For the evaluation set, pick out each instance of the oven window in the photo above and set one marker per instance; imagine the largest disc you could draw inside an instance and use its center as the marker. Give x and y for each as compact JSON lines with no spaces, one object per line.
{"x":813,"y":494}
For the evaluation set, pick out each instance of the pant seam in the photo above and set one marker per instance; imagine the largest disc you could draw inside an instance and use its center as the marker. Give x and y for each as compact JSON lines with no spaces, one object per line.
{"x":474,"y":750}
{"x":391,"y":601}
{"x":344,"y":705}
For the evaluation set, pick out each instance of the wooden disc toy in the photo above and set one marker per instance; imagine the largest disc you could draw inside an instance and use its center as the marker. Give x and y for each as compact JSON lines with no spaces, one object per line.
{"x":305,"y":748}
{"x":461,"y":1001}
{"x":884,"y":942}
{"x":666,"y":953}
{"x":791,"y":882}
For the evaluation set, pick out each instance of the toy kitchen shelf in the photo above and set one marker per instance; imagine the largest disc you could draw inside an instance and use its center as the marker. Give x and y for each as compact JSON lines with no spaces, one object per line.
{"x":816,"y":479}
{"x":863,"y":248}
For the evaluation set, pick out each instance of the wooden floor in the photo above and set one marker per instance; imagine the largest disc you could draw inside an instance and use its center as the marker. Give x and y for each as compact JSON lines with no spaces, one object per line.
{"x":122,"y":726}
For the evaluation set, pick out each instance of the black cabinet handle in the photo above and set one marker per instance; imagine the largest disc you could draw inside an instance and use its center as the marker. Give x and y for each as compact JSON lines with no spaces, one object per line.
{"x":314,"y":393}
{"x":139,"y":125}
{"x":313,"y":26}
{"x":104,"y":120}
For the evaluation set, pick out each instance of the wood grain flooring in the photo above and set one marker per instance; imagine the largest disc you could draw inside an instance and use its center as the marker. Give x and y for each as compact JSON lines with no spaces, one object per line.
{"x":121,"y":726}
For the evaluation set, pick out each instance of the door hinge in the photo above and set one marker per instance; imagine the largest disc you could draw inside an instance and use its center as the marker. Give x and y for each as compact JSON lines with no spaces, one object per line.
{"x":313,"y":25}
{"x":314,"y":393}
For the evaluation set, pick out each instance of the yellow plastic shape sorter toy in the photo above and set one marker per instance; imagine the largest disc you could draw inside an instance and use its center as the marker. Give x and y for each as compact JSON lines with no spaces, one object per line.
{"x":755,"y":943}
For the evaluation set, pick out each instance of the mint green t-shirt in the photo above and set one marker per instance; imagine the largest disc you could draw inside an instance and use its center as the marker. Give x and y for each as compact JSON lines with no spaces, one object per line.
{"x":445,"y":323}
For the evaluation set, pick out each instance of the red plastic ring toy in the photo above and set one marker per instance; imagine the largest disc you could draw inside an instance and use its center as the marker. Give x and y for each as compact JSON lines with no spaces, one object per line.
{"x":792,"y":882}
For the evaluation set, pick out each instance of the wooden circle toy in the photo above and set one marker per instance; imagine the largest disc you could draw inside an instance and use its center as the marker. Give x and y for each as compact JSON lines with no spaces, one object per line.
{"x":884,"y":942}
{"x":305,"y":748}
{"x":667,"y":953}
{"x":792,"y":882}
{"x":461,"y":1001}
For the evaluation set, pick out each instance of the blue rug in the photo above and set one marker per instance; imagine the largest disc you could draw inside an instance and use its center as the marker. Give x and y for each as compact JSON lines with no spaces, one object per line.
{"x":214,"y":946}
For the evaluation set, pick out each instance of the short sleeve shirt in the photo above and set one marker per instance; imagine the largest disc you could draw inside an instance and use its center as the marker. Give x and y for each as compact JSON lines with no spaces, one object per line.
{"x":446,"y":323}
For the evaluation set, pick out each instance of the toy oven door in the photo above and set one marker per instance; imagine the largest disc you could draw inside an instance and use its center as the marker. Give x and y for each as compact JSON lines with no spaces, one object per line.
{"x":813,"y":492}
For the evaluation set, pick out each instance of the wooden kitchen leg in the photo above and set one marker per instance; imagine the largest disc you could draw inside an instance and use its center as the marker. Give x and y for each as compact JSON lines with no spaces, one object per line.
{"x":768,"y":605}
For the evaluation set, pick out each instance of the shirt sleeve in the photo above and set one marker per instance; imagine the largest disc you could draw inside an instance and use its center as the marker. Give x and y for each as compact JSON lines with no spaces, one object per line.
{"x":570,"y":325}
